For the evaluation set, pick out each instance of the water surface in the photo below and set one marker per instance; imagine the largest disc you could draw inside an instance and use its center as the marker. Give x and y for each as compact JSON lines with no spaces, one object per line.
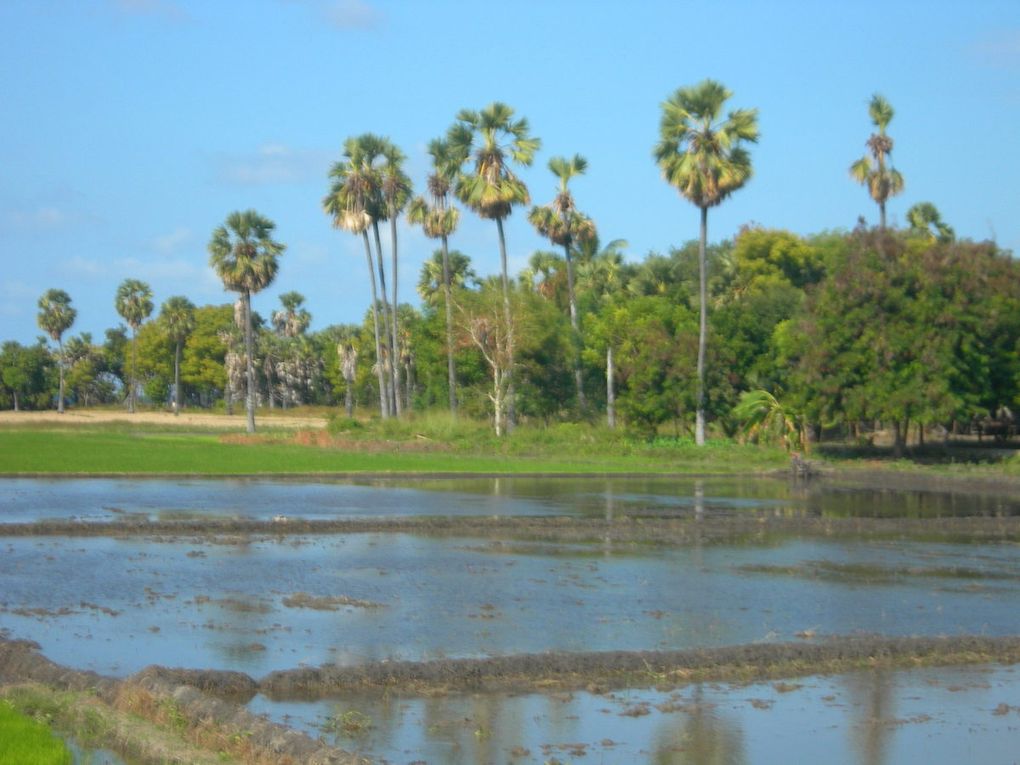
{"x":941,"y":716}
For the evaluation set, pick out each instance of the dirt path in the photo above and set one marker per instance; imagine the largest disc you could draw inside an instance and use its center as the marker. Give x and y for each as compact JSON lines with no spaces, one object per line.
{"x":185,"y":419}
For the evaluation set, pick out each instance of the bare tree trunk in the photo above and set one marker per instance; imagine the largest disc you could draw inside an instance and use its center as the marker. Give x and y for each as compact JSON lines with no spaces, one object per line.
{"x":610,"y":388}
{"x":60,"y":371}
{"x":249,"y":349}
{"x":898,"y":438}
{"x":451,"y":370}
{"x":511,"y":408}
{"x":177,"y":380}
{"x":582,"y":404}
{"x":384,"y":402}
{"x":387,"y":346}
{"x":395,"y":325}
{"x":131,"y":377}
{"x":699,"y":426}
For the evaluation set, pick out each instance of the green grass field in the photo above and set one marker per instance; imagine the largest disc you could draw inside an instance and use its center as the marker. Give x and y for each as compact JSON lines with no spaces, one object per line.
{"x":421,"y":447}
{"x":26,"y":742}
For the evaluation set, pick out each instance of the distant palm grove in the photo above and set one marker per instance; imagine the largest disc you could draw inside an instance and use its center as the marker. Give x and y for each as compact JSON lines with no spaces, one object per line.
{"x":770,"y":333}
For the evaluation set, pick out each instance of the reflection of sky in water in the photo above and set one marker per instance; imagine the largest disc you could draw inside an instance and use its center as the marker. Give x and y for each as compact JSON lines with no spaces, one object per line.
{"x":939,"y":716}
{"x":97,"y":499}
{"x":197,"y":604}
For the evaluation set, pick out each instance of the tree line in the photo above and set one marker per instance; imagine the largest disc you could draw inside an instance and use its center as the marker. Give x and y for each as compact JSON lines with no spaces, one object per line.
{"x":770,"y":332}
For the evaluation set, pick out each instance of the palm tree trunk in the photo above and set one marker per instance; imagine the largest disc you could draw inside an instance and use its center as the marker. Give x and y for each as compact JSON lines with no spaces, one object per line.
{"x":177,"y":380}
{"x":576,"y":330}
{"x":699,"y":425}
{"x":511,"y":407}
{"x":610,"y":388}
{"x":60,"y":371}
{"x":249,"y":347}
{"x":387,"y":348}
{"x":131,"y":377}
{"x":396,"y":333}
{"x":451,"y":370}
{"x":881,"y":215}
{"x":384,"y":402}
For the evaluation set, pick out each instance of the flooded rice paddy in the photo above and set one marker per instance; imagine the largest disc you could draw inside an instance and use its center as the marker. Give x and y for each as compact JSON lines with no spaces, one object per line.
{"x":181,"y":587}
{"x":940,"y":717}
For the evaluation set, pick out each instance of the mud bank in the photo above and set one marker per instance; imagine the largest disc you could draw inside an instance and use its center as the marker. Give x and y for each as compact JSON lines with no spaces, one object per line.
{"x":676,"y":531}
{"x":571,"y":671}
{"x":184,"y":716}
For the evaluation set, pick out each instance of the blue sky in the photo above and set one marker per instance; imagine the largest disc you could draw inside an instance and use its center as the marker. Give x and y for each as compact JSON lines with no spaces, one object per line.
{"x":131,"y":128}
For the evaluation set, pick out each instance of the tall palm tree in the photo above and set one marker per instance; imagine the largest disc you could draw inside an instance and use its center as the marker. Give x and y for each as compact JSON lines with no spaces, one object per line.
{"x":134,"y":304}
{"x":352,"y":202}
{"x":177,"y":315}
{"x":700,"y":154}
{"x":246,"y":258}
{"x":395,"y":188}
{"x":438,"y":219}
{"x":872,"y":171}
{"x":56,"y":317}
{"x":562,"y":223}
{"x":492,"y":140}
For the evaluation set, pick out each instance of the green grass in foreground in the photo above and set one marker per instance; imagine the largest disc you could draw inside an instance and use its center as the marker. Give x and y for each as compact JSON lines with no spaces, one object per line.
{"x":415,"y":447}
{"x":27,"y":742}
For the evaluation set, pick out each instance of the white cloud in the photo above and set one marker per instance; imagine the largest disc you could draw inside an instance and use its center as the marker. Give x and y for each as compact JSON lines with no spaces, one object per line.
{"x":165,"y":9}
{"x":43,"y":217}
{"x":81,"y":267}
{"x":352,"y":14}
{"x":272,"y":164}
{"x":345,"y":14}
{"x":1001,"y":49}
{"x":172,"y":242}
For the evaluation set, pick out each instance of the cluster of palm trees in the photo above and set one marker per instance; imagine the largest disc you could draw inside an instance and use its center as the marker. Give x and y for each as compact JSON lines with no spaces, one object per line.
{"x":701,"y":152}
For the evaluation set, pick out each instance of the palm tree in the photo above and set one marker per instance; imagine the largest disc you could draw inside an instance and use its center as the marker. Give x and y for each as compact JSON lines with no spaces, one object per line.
{"x":563,"y":224}
{"x":432,"y":279}
{"x":702,"y":157}
{"x":871,"y":171}
{"x":924,"y":219}
{"x":246,"y":258}
{"x":492,"y":189}
{"x":134,"y":304}
{"x":177,"y":316}
{"x":351,"y":203}
{"x":395,"y":187}
{"x":763,"y":417}
{"x":438,"y":220}
{"x":56,"y":317}
{"x":292,"y":320}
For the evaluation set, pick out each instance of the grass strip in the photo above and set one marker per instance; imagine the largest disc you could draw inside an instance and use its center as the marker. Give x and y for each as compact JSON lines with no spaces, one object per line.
{"x":27,"y":741}
{"x":104,"y":452}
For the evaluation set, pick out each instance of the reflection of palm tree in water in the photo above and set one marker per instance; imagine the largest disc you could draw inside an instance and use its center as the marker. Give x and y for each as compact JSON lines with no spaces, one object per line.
{"x":871,"y":696}
{"x":703,"y":737}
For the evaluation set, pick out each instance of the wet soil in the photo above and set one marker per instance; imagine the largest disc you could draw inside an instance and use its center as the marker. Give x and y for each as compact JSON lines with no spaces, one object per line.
{"x":625,"y":530}
{"x":573,"y":671}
